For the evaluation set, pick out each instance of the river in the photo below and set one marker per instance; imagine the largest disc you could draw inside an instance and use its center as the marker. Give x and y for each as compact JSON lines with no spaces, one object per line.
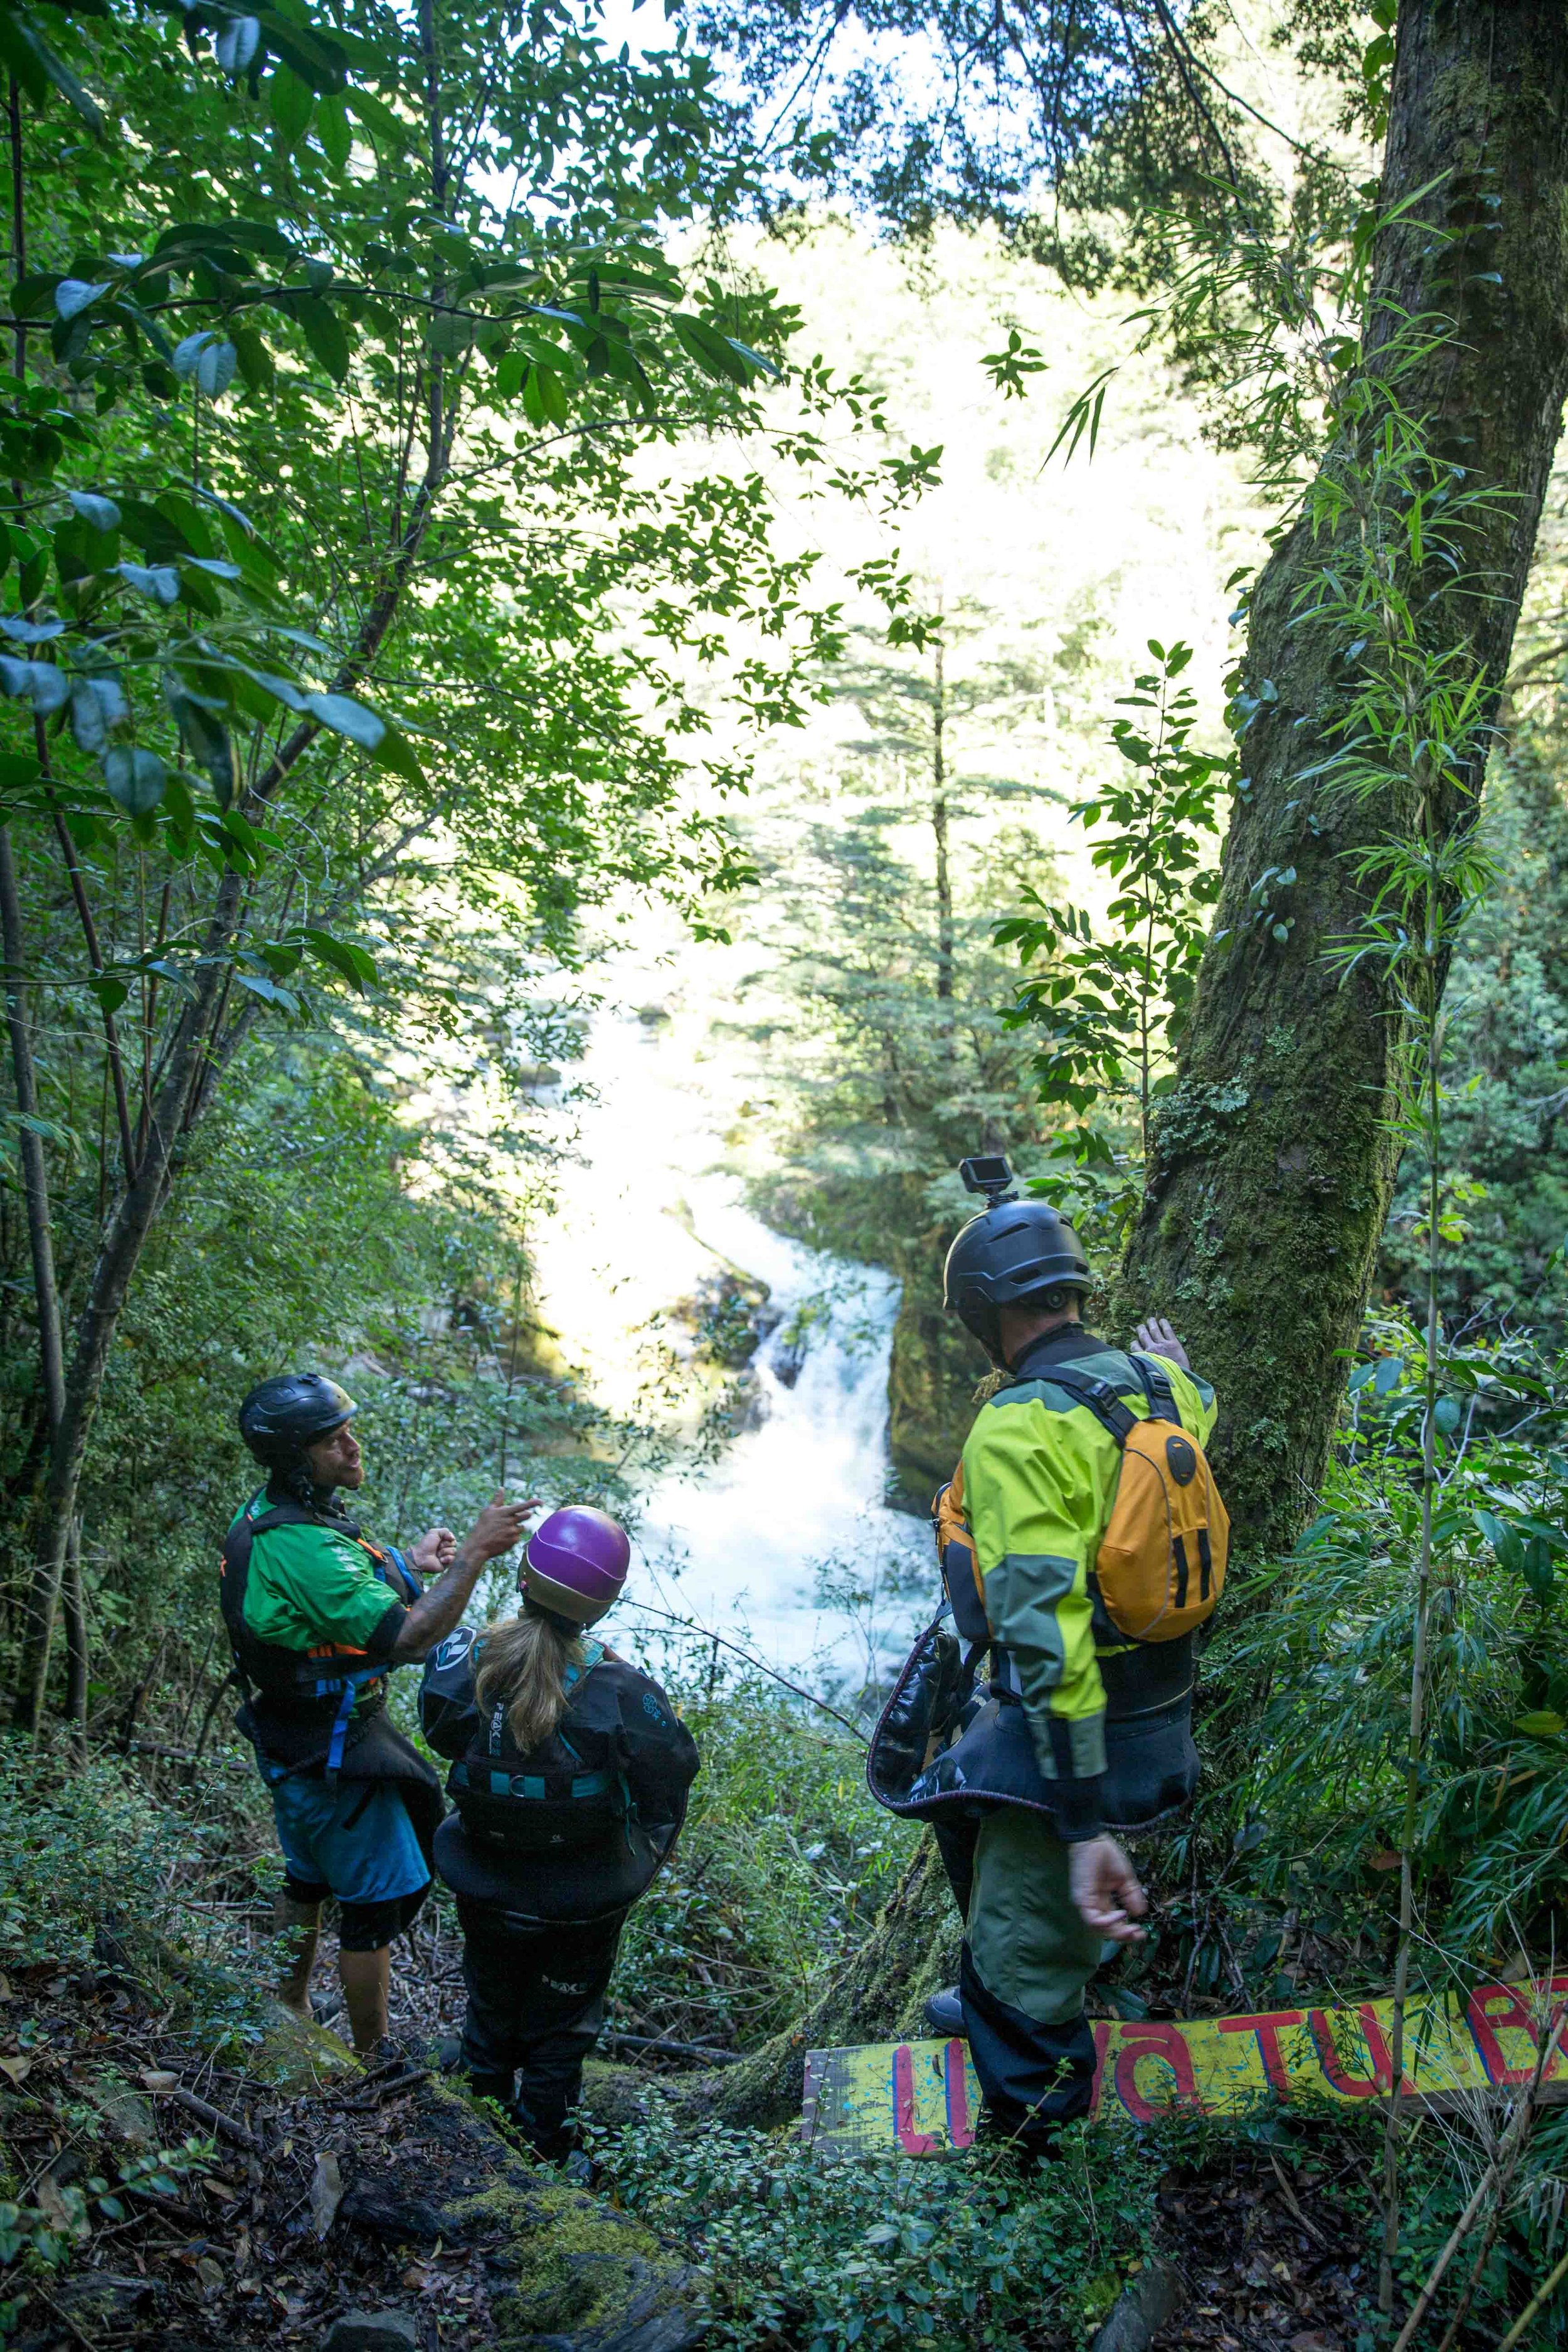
{"x":781,"y":1540}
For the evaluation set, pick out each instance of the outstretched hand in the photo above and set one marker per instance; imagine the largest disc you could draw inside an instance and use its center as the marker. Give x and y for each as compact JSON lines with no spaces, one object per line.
{"x":1156,"y":1338}
{"x":1105,"y":1890}
{"x":499,"y":1528}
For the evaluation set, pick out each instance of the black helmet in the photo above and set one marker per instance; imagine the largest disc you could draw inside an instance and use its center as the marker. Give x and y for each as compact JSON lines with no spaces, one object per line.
{"x":282,"y":1416}
{"x":1014,"y":1251}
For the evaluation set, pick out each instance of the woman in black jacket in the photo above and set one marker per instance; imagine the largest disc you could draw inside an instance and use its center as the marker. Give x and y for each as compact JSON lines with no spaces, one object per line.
{"x":570,"y":1773}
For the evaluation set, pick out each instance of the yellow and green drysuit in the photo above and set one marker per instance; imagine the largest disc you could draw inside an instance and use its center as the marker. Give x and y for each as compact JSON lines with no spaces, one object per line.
{"x":1076,"y":1731}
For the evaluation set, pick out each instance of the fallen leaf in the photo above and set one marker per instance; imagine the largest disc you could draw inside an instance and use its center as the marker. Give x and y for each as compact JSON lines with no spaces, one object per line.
{"x":215,"y":2188}
{"x":1384,"y":1860}
{"x":156,"y":2078}
{"x":210,"y":2275}
{"x":16,"y":2068}
{"x":6,"y":1992}
{"x":326,"y":2192}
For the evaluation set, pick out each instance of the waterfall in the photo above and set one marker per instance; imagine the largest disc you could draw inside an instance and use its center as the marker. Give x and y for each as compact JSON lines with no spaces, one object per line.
{"x":783,"y":1538}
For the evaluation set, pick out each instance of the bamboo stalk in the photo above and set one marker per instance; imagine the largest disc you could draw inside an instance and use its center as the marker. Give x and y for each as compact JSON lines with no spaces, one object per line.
{"x":1537,"y":2304}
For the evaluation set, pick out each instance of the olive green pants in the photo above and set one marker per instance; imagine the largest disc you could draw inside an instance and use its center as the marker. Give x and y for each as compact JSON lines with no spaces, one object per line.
{"x":1028,"y":1944}
{"x":1027,"y":1957}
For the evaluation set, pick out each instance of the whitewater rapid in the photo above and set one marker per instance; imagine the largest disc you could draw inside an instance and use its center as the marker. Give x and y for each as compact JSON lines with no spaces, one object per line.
{"x":783,"y":1540}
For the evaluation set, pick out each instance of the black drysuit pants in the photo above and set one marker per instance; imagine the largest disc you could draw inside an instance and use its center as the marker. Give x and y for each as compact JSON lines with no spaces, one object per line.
{"x":536,"y":2007}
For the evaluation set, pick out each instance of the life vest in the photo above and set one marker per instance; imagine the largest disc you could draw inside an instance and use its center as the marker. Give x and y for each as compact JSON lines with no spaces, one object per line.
{"x":564,"y":1793}
{"x":576,"y":1830}
{"x":294,"y":1696}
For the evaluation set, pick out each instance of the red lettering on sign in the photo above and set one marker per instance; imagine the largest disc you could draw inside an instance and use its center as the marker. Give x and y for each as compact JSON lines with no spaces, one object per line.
{"x":1350,"y":2086}
{"x":912,"y":2142}
{"x":1490,"y":2006}
{"x":1381,"y":2057}
{"x":1268,"y":2024}
{"x":1146,"y":2040}
{"x":960,"y":2130}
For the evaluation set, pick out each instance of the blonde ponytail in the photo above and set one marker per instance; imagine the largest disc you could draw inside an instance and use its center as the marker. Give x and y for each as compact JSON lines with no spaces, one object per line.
{"x":522,"y":1667}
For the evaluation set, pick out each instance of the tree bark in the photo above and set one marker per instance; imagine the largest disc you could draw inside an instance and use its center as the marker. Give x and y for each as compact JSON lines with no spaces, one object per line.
{"x":30,"y":1143}
{"x":1272,"y":1168}
{"x":939,"y":824}
{"x":876,"y":1996}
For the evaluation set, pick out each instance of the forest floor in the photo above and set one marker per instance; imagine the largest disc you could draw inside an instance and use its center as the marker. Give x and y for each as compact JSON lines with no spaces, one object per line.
{"x":322,"y":2190}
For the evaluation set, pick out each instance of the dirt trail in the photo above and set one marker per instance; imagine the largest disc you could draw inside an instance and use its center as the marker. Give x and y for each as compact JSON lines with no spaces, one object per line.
{"x":323,"y":2191}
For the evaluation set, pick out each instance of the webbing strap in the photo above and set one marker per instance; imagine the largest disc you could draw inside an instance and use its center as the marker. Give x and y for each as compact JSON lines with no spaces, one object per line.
{"x":536,"y":1787}
{"x":1096,"y":1394}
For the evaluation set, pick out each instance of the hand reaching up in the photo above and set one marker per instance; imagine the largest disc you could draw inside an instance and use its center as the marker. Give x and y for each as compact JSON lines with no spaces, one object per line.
{"x":1156,"y":1338}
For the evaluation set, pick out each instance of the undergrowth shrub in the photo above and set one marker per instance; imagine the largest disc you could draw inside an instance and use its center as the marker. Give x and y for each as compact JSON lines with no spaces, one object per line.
{"x":96,"y":1872}
{"x":781,"y":1868}
{"x":1311,"y":1671}
{"x":827,"y":2255}
{"x":80,"y":1844}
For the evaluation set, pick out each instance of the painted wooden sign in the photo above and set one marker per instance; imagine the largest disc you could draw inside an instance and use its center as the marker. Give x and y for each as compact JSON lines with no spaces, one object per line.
{"x":921,"y":2099}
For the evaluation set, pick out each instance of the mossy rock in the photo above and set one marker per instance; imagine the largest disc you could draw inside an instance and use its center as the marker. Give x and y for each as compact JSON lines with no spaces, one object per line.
{"x":296,"y":2055}
{"x":564,"y":2272}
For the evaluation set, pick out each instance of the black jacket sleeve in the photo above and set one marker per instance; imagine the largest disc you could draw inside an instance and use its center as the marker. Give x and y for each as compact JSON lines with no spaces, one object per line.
{"x":448,"y":1712}
{"x":661,"y":1759}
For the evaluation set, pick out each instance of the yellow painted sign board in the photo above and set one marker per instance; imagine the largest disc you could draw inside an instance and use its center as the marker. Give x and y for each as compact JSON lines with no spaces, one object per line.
{"x":921,"y":2099}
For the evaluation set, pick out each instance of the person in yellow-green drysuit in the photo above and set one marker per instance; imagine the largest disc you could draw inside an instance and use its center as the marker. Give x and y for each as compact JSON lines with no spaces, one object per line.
{"x":1090,"y":1729}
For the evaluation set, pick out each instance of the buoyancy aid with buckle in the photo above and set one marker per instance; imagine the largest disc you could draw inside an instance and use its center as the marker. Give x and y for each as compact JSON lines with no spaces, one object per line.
{"x":576,"y":1829}
{"x":298,"y":1703}
{"x":564,"y":1792}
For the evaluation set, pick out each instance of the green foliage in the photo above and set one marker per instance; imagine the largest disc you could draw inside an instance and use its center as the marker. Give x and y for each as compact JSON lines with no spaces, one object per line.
{"x":1506,"y":1009}
{"x":53,"y":2236}
{"x":877,"y":912}
{"x":783,"y":1866}
{"x":884,"y":2254}
{"x":1326,"y":1638}
{"x":78,"y":1846}
{"x":1113,"y":1007}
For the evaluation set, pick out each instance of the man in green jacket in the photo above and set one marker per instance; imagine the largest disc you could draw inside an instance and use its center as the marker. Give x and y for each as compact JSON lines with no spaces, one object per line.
{"x":317,"y":1617}
{"x":1108,"y":1721}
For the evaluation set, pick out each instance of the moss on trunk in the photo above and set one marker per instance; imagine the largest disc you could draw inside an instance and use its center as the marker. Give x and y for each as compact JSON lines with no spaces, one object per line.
{"x":1272,"y":1167}
{"x":876,"y":1996}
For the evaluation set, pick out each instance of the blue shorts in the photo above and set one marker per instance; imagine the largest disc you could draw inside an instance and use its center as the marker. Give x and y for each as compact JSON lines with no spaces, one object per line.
{"x":355,"y":1838}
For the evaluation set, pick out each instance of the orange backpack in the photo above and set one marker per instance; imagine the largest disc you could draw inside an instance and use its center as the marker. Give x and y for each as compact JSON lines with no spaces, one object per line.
{"x":1160,"y":1564}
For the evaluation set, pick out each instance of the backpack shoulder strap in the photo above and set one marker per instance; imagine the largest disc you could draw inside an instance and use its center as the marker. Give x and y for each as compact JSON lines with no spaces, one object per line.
{"x":277,"y":1515}
{"x":1155,"y":1383}
{"x":1096,"y":1394}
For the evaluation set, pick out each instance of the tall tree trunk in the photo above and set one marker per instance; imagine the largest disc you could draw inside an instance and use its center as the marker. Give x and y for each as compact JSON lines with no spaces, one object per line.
{"x":938,"y":826}
{"x":1271,"y":1171}
{"x":30,"y":1143}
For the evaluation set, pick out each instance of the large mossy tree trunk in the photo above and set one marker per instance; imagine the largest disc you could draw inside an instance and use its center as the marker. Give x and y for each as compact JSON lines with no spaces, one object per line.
{"x":1272,"y":1165}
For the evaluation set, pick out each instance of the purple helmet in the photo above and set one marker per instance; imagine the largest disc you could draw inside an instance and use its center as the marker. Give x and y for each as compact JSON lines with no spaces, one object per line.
{"x":575,"y":1563}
